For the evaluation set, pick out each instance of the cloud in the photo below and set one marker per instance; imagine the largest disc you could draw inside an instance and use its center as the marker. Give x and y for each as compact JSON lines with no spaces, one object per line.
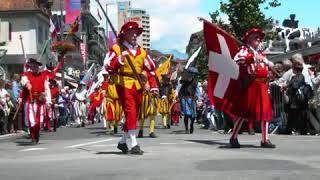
{"x":172,"y":22}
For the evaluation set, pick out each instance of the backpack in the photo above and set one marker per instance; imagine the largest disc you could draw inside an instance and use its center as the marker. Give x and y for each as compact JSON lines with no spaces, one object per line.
{"x":304,"y":93}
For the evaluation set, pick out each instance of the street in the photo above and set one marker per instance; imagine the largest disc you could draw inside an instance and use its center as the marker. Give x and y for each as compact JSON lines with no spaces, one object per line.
{"x":89,"y":153}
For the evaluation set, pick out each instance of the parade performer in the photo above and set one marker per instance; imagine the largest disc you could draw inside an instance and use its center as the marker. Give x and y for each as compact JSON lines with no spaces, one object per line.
{"x":79,"y":106}
{"x":253,"y":101}
{"x":35,"y":95}
{"x":148,"y":109}
{"x":175,"y":107}
{"x":113,"y":108}
{"x":96,"y":99}
{"x":129,"y":89}
{"x":165,"y":93}
{"x":53,"y":111}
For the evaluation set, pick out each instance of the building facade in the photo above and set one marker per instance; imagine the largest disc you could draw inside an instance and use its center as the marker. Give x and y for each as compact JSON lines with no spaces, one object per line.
{"x":89,"y":37}
{"x":26,"y":19}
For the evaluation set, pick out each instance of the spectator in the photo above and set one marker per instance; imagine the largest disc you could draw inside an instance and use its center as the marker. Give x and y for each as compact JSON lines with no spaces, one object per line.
{"x":299,"y":93}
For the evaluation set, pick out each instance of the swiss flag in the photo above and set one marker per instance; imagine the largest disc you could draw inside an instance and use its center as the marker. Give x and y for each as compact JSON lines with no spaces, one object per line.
{"x":223,"y":70}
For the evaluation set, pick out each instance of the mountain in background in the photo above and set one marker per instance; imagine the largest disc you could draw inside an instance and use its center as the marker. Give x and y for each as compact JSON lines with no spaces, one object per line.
{"x":177,"y":54}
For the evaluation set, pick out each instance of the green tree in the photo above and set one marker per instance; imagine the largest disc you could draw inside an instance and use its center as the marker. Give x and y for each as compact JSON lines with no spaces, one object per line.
{"x":245,"y":14}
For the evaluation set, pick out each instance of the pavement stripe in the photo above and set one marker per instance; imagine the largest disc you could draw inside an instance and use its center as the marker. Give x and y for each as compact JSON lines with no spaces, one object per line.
{"x":104,"y":145}
{"x":88,"y":143}
{"x":33,"y":149}
{"x":168,"y":143}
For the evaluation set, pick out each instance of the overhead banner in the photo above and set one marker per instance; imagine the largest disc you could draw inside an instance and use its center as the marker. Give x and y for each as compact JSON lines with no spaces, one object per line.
{"x":72,"y":8}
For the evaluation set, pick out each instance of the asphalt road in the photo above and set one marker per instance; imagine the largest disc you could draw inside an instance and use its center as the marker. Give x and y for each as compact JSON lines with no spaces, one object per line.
{"x":90,"y":153}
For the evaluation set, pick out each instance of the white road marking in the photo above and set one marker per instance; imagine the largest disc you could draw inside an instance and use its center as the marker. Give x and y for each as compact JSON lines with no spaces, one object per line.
{"x":168,"y":143}
{"x":33,"y":149}
{"x":104,"y":145}
{"x":89,"y":143}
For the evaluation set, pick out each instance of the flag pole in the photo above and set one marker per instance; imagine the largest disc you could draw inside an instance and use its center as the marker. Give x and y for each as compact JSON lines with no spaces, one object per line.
{"x":127,"y":56}
{"x":24,"y":54}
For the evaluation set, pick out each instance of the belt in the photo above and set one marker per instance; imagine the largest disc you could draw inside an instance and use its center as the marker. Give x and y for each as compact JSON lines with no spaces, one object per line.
{"x":261,"y":79}
{"x":129,"y":75}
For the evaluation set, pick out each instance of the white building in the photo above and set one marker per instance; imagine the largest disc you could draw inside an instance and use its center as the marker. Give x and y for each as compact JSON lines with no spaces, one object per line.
{"x":143,"y":19}
{"x":126,"y":13}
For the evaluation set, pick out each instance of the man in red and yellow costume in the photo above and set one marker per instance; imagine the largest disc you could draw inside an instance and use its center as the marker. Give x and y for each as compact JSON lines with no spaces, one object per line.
{"x":253,"y":101}
{"x":128,"y":87}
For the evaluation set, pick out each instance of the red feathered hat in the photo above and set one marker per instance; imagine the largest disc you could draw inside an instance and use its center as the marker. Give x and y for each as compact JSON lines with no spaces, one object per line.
{"x":130,"y":25}
{"x":253,"y":31}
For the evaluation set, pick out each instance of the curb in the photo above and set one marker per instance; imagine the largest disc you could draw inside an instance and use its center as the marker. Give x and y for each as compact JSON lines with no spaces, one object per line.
{"x":7,"y":136}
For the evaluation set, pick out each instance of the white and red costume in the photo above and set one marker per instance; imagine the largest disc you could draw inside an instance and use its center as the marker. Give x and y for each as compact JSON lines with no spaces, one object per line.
{"x":253,"y":101}
{"x":36,"y":97}
{"x":35,"y":100}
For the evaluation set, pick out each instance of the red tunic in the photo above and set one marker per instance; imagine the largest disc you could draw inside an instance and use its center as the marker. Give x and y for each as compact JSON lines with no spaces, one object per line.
{"x":37,"y":82}
{"x":54,"y":92}
{"x":253,"y":102}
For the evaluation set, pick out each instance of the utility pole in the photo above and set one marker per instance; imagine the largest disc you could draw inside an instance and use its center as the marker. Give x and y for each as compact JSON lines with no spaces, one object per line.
{"x":60,"y":56}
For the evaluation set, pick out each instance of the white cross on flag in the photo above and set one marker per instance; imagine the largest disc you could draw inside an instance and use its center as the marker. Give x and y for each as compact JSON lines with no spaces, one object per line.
{"x":223,"y":70}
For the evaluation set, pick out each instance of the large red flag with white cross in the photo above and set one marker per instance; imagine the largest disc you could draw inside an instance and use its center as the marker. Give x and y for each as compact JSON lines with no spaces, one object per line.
{"x":223,"y":70}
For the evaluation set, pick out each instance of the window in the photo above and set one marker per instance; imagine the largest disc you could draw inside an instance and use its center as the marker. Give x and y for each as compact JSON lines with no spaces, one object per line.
{"x":40,"y":34}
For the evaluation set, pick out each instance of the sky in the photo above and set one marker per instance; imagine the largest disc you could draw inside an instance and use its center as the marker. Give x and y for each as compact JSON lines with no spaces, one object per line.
{"x":173,"y":21}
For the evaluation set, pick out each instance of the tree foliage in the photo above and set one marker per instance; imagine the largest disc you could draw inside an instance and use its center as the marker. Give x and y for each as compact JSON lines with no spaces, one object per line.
{"x":245,"y":14}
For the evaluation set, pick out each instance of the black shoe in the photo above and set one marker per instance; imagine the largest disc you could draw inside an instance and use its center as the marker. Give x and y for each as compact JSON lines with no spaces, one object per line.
{"x":136,"y":150}
{"x":140,"y":134}
{"x":82,"y":124}
{"x":37,"y":137}
{"x":251,"y":132}
{"x":234,"y":143}
{"x":123,"y":148}
{"x":152,"y":135}
{"x":115,"y":130}
{"x":191,"y":130}
{"x":168,"y":126}
{"x":34,"y":142}
{"x":267,"y":144}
